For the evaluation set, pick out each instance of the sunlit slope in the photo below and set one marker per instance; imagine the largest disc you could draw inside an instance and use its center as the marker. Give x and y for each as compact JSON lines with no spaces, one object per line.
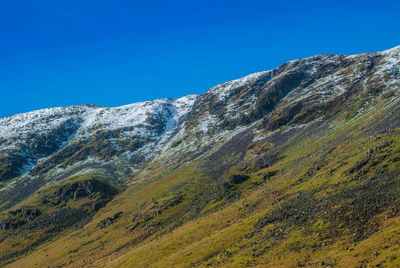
{"x":307,"y":173}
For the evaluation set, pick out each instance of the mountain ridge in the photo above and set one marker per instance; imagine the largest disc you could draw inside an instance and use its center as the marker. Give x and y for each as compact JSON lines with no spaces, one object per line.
{"x":155,"y":168}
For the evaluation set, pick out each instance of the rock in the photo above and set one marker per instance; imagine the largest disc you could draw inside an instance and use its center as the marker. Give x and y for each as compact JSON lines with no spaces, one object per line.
{"x":91,"y":188}
{"x":109,"y":220}
{"x":26,"y":213}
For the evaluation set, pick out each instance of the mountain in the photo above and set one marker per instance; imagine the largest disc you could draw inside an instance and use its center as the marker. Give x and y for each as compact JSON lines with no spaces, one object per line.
{"x":50,"y":145}
{"x":296,"y":166}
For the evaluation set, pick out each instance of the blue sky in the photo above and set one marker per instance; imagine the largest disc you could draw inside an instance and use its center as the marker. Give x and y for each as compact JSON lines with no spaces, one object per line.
{"x":67,"y":52}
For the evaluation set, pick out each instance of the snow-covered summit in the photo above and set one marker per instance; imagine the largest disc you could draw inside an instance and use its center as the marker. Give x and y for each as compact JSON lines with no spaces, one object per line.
{"x":79,"y":133}
{"x":88,"y":119}
{"x":225,"y":89}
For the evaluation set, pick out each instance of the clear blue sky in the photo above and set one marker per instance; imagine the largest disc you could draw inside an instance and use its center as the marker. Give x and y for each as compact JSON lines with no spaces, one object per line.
{"x":115,"y":52}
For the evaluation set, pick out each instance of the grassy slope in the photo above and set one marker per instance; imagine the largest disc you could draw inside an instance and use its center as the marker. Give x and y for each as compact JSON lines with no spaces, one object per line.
{"x":322,"y":188}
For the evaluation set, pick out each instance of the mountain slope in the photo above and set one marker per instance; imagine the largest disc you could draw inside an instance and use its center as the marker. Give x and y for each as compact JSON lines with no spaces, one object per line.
{"x":289,"y":167}
{"x":49,"y":145}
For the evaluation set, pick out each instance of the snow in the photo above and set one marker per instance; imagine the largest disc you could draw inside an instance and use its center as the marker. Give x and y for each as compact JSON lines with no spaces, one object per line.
{"x":224,"y":90}
{"x":207,"y":122}
{"x":137,"y":120}
{"x":180,"y":109}
{"x":90,"y":118}
{"x":40,"y":120}
{"x":390,"y":66}
{"x":391,"y":50}
{"x":120,"y":117}
{"x":392,"y":56}
{"x":130,"y":121}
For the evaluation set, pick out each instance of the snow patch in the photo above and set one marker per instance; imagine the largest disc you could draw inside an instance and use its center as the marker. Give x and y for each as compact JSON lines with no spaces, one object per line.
{"x":225,"y":89}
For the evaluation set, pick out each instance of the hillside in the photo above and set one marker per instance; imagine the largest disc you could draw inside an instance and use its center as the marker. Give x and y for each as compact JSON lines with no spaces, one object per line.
{"x":296,"y":166}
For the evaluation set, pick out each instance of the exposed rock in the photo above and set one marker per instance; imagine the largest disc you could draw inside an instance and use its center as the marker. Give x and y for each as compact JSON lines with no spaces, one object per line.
{"x":91,"y":188}
{"x":28,"y":214}
{"x":109,"y":220}
{"x":299,"y":131}
{"x":57,"y":220}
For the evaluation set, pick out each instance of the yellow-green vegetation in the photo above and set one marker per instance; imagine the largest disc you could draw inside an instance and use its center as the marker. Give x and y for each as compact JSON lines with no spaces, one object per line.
{"x":302,"y":182}
{"x":328,"y":199}
{"x":57,"y":208}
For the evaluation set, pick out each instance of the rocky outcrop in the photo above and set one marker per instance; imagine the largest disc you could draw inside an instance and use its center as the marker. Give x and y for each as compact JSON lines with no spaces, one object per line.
{"x":28,"y":214}
{"x":99,"y":191}
{"x":109,"y":220}
{"x":281,"y":151}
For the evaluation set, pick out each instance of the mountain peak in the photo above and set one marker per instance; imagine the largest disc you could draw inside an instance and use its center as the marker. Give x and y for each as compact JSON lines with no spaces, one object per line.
{"x":391,"y":50}
{"x":310,"y":147}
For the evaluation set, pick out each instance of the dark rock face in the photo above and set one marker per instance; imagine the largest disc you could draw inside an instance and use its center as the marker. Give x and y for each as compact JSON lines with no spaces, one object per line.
{"x":27,"y":214}
{"x":10,"y":166}
{"x":109,"y":220}
{"x":11,"y":224}
{"x":396,"y":72}
{"x":86,"y":189}
{"x":57,"y":220}
{"x":233,"y":180}
{"x":45,"y":144}
{"x":18,"y":218}
{"x":263,"y":95}
{"x":269,"y":98}
{"x":33,"y":219}
{"x":238,"y":178}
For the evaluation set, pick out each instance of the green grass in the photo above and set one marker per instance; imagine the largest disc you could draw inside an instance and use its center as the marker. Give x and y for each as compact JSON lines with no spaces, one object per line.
{"x":218,"y":226}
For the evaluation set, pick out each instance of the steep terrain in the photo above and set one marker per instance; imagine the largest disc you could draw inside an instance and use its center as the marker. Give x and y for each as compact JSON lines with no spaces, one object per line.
{"x":47,"y":146}
{"x":297,"y":166}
